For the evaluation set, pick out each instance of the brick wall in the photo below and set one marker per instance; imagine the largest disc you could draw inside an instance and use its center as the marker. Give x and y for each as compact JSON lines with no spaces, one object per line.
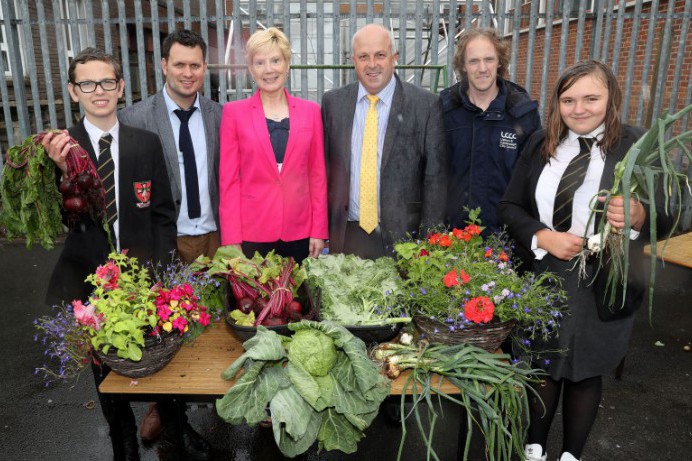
{"x":639,"y":88}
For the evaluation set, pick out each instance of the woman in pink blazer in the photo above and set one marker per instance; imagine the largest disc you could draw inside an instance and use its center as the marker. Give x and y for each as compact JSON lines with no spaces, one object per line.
{"x":272,"y":180}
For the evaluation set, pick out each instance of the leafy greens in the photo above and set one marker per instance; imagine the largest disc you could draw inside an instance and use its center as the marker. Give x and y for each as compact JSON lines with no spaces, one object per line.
{"x":356,"y":291}
{"x":333,"y":409}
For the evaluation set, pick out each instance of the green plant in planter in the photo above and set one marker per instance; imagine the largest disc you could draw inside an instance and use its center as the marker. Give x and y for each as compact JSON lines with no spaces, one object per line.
{"x":123,"y":304}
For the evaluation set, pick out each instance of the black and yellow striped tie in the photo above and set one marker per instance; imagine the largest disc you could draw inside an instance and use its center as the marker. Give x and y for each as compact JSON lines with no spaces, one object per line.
{"x":106,"y":170}
{"x":571,"y":179}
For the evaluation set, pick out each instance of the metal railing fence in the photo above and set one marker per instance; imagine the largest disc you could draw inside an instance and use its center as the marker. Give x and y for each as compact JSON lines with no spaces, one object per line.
{"x":646,"y":43}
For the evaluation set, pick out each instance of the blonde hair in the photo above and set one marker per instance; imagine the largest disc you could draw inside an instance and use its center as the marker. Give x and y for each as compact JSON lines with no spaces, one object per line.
{"x":265,"y":40}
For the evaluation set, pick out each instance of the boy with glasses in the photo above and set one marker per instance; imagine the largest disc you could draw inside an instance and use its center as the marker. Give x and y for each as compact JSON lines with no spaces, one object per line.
{"x":143,"y":224}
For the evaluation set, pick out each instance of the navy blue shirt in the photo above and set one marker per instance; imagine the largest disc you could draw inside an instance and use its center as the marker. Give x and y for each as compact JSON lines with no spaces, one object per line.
{"x":483,"y":148}
{"x":278,"y":134}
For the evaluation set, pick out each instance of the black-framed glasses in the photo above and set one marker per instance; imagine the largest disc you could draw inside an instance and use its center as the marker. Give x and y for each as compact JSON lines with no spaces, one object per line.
{"x":89,"y":86}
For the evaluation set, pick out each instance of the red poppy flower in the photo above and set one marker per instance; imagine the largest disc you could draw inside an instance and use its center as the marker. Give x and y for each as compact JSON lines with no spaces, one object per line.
{"x":451,"y":279}
{"x":488,"y":253}
{"x":445,"y":241}
{"x":464,"y":277}
{"x":479,"y":310}
{"x":504,"y":257}
{"x":458,"y":233}
{"x":473,"y":229}
{"x":423,"y":252}
{"x":434,"y":239}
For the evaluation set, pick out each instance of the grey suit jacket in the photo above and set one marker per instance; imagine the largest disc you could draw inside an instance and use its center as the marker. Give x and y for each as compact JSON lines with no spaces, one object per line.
{"x":151,"y":115}
{"x":413,"y":176}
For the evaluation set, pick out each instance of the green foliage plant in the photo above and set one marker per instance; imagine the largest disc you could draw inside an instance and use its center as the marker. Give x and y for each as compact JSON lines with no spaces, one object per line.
{"x":646,"y":173}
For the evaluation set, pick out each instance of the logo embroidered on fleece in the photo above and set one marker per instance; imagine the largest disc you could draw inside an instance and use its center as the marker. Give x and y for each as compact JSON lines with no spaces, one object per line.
{"x":508,"y":140}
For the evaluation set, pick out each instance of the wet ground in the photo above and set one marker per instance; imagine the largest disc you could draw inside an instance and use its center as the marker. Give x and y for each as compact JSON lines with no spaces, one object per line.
{"x":646,"y":415}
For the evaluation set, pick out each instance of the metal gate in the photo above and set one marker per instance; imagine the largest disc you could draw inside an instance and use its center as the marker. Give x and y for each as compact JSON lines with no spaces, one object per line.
{"x":644,"y":42}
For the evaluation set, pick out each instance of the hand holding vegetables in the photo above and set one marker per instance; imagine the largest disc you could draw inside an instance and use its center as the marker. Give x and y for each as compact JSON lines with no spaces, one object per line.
{"x":81,"y":185}
{"x":30,"y":198}
{"x":616,"y":213}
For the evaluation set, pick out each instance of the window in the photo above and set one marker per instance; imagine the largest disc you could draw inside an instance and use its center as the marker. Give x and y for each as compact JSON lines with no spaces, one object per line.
{"x":73,"y":45}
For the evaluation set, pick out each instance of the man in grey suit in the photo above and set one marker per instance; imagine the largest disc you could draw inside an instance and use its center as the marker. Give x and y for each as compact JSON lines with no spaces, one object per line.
{"x":410,"y":181}
{"x":188,"y":125}
{"x":196,"y":195}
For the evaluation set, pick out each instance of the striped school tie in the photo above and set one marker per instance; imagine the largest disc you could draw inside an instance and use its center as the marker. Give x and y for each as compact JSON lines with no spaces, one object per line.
{"x":571,"y":179}
{"x":106,"y":170}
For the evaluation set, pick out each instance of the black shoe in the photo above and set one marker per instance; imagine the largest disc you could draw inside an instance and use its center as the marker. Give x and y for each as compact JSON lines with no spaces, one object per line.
{"x":196,"y":448}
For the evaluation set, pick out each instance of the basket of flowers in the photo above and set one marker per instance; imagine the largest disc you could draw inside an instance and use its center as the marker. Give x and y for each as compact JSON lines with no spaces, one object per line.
{"x":462,"y":288}
{"x":134,"y":321}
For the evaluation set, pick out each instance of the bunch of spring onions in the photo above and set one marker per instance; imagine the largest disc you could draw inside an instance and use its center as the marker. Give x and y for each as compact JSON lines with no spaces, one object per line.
{"x":493,"y":391}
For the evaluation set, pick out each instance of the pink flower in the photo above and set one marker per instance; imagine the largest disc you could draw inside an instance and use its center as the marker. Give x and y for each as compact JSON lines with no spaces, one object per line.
{"x":86,"y":315}
{"x":163,"y":312}
{"x":108,"y":275}
{"x":180,"y":323}
{"x":187,"y":289}
{"x":204,"y":319}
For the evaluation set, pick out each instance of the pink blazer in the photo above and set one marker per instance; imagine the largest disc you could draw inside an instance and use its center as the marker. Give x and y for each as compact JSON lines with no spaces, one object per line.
{"x":257,"y":202}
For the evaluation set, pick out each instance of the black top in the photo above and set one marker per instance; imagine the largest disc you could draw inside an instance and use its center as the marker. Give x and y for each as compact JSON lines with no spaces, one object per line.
{"x":278,"y":134}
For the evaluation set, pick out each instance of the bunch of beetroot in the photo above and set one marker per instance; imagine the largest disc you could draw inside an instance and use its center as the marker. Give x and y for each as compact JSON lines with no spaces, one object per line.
{"x":272,"y":302}
{"x":264,"y":288}
{"x":81,"y":186}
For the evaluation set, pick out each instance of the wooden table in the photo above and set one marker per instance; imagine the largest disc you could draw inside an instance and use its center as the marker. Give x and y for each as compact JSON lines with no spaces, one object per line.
{"x":195,"y":371}
{"x":678,"y":250}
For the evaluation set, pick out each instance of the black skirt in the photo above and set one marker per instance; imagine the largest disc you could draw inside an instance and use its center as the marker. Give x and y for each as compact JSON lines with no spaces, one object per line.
{"x":587,"y":346}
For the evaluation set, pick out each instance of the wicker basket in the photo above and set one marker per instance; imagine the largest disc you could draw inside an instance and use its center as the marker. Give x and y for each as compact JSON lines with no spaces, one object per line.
{"x":487,"y":336}
{"x":156,"y":354}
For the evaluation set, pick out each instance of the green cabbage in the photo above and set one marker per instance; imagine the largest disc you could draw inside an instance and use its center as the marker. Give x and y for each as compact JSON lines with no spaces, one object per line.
{"x":314,"y":351}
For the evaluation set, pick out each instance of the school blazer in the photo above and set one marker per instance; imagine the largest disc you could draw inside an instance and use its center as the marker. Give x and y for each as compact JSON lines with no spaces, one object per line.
{"x":259,"y":203}
{"x":146,"y":215}
{"x":519,"y":211}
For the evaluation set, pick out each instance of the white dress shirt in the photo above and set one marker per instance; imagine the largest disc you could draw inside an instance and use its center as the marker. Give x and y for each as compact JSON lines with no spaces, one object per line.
{"x":384,"y":106}
{"x":585,"y":195}
{"x":95,"y":134}
{"x":205,"y":223}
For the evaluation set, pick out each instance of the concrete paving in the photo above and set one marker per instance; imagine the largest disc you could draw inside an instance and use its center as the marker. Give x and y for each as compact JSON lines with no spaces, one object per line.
{"x":647,"y":415}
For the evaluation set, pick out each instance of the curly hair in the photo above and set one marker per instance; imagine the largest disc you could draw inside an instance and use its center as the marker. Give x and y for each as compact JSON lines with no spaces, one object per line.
{"x":502,"y":47}
{"x":556,"y":129}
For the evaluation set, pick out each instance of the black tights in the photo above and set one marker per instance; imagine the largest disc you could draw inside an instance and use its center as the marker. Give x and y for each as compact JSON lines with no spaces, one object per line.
{"x":580,"y":402}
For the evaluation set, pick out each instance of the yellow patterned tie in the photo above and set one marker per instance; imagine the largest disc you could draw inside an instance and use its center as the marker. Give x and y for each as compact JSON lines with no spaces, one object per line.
{"x":368,"y":169}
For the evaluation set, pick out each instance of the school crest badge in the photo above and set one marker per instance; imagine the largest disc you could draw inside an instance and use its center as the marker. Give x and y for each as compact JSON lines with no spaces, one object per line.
{"x":143,"y":193}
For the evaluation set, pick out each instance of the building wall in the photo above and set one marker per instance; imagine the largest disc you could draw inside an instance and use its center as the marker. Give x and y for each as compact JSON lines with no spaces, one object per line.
{"x":640,"y":89}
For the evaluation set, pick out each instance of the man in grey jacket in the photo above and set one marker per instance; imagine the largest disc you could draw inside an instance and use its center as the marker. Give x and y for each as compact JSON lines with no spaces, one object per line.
{"x":407,"y":186}
{"x":188,"y":125}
